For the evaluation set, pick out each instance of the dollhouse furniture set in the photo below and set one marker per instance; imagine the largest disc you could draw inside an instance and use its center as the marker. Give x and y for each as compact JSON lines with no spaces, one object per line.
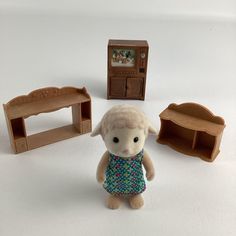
{"x":47,"y":100}
{"x":188,"y":128}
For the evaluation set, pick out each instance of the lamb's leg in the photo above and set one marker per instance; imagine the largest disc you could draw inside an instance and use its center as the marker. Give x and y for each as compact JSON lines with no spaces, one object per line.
{"x":113,"y":202}
{"x":136,"y":201}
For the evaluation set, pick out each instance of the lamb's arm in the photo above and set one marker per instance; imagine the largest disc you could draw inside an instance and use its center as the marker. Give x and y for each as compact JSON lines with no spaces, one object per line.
{"x":147,"y":163}
{"x":102,"y":165}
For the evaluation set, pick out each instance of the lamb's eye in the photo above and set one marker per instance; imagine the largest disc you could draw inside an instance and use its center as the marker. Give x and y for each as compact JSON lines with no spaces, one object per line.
{"x":136,"y":139}
{"x":115,"y":140}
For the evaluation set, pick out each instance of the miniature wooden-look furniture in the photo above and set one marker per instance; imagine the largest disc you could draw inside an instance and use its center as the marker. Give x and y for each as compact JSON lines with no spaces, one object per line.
{"x":127,"y":69}
{"x":47,"y":100}
{"x":191,"y":129}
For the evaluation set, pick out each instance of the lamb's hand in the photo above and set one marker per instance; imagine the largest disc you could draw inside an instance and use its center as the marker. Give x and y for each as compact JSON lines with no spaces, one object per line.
{"x":100,"y":178}
{"x":148,"y":166}
{"x":150,"y":174}
{"x":102,"y":167}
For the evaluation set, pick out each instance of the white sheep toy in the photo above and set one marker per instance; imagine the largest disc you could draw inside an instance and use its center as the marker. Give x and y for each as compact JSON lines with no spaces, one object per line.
{"x":124,"y":129}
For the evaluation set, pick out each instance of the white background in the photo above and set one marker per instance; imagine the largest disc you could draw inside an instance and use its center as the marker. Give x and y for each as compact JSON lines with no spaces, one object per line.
{"x":52,"y":190}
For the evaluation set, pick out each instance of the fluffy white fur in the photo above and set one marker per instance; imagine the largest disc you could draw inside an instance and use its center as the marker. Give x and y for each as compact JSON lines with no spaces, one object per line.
{"x":124,"y":122}
{"x":123,"y":116}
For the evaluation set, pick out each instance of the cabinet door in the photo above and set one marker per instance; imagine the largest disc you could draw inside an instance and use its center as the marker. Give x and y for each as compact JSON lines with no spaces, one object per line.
{"x":118,"y":87}
{"x":134,"y":87}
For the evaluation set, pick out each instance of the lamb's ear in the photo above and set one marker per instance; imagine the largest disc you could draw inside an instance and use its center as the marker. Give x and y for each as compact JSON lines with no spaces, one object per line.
{"x":151,"y":129}
{"x":97,"y":130}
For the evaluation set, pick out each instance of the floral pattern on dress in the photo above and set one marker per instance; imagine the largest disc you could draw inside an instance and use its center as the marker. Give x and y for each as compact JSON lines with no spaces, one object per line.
{"x":125,"y":175}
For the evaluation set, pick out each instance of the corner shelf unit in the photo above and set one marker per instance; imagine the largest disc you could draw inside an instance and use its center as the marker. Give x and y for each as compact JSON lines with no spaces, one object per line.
{"x":47,"y":100}
{"x":191,"y":129}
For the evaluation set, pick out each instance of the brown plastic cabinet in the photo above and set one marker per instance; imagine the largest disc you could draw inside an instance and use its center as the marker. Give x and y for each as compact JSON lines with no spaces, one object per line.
{"x":127,"y":82}
{"x":192,"y":129}
{"x":47,"y":100}
{"x":122,"y":87}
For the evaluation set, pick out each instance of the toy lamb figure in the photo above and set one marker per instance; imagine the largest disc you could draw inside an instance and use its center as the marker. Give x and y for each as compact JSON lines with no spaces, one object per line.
{"x":124,"y":130}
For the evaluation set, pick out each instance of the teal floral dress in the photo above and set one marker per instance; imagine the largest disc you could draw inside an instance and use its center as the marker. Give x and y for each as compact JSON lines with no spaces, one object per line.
{"x":124,"y":176}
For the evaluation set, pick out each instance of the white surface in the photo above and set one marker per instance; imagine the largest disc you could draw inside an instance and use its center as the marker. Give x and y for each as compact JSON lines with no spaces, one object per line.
{"x":52,"y":190}
{"x":130,"y":8}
